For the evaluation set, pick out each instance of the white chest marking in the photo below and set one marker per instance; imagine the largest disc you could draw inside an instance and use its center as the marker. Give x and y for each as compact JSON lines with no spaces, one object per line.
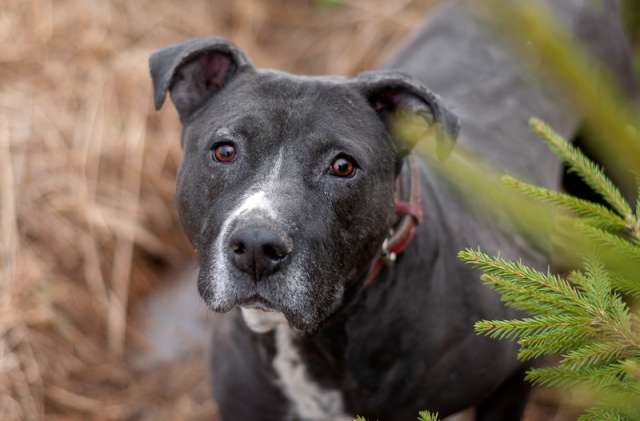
{"x":261,"y":321}
{"x":310,"y":402}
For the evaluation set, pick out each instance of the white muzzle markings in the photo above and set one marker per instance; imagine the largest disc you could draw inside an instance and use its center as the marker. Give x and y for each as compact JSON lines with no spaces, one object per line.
{"x":258,"y":200}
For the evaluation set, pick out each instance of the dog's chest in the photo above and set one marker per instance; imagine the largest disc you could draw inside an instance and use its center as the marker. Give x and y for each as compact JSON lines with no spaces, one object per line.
{"x":309,"y":400}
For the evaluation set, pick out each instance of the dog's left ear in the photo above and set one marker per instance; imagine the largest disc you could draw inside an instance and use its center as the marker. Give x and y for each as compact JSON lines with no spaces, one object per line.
{"x":409,"y":111}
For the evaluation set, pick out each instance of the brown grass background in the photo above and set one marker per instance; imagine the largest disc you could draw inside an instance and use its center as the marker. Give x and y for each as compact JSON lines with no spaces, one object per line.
{"x":87,"y":225}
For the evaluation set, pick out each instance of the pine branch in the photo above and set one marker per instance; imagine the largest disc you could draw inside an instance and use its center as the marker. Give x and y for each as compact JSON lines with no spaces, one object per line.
{"x":597,"y":285}
{"x":626,"y":286}
{"x":582,"y":208}
{"x":422,"y":416}
{"x":638,"y":199}
{"x":582,"y":317}
{"x":622,"y":401}
{"x":428,"y":416}
{"x":555,"y":342}
{"x":583,"y":167}
{"x":516,"y":329}
{"x":594,"y":354}
{"x":608,"y":241}
{"x":558,"y":377}
{"x":636,"y":228}
{"x":610,"y":386}
{"x":524,"y":297}
{"x":580,"y":280}
{"x":536,"y":284}
{"x":612,"y":377}
{"x":602,"y":414}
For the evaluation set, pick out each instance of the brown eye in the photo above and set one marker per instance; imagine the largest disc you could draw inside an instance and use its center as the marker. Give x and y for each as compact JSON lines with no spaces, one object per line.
{"x":224,"y":152}
{"x":342,"y":167}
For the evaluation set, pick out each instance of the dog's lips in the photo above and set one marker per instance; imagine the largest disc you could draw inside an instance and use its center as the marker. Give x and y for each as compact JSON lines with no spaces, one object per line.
{"x":256,"y":302}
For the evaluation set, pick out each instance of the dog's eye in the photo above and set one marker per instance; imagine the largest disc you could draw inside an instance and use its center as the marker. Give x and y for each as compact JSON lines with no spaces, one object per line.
{"x":224,"y":152}
{"x":342,"y":166}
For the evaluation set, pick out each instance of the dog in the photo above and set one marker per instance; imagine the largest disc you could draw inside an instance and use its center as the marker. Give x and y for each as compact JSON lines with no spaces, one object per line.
{"x":331,"y":247}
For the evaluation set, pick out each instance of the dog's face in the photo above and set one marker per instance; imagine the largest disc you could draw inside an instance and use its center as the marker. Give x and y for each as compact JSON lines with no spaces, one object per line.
{"x":286,"y":185}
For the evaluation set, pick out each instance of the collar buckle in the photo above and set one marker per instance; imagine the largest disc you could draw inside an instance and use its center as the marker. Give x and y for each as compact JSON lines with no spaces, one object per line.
{"x":386,"y":255}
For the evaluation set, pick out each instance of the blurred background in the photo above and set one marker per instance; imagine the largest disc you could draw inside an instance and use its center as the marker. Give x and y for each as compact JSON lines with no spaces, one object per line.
{"x":87,"y":224}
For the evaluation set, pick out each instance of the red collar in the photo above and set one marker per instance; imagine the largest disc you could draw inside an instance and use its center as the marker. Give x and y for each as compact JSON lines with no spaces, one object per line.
{"x":409,"y":215}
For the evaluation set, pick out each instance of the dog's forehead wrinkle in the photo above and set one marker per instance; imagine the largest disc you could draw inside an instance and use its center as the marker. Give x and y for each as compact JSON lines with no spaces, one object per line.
{"x":279,"y":76}
{"x":307,"y":93}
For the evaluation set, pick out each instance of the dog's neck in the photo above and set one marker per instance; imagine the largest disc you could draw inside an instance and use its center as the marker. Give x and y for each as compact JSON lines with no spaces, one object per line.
{"x":372,"y":351}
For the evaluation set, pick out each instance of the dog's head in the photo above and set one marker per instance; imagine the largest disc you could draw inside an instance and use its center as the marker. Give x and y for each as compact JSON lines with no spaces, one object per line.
{"x":286,"y":185}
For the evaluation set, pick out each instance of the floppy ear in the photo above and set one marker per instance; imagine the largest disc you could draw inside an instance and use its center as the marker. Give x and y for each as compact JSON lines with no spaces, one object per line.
{"x":409,"y":110}
{"x":193,"y":71}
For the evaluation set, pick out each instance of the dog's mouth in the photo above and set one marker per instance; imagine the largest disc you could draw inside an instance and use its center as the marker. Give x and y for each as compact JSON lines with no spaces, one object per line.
{"x":256,"y":302}
{"x":260,"y":312}
{"x":261,"y":316}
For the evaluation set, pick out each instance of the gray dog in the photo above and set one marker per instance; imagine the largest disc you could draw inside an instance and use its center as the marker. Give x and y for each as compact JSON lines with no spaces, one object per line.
{"x":333,"y":248}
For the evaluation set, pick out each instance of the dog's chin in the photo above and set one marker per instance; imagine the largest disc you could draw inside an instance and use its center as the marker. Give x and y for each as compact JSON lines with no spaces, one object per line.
{"x":302,"y":313}
{"x":258,"y":308}
{"x":261,"y":316}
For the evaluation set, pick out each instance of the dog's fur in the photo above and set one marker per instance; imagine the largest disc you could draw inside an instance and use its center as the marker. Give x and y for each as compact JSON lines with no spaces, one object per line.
{"x":310,"y":342}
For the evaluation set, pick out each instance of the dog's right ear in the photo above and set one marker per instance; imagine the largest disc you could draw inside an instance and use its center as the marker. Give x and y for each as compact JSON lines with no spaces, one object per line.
{"x":193,"y":71}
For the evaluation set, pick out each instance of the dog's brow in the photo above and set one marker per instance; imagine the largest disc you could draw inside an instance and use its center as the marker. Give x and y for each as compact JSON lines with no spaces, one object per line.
{"x":362,"y":151}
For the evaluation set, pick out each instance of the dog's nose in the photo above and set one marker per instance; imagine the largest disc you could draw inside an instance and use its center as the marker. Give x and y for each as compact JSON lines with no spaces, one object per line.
{"x":258,"y":251}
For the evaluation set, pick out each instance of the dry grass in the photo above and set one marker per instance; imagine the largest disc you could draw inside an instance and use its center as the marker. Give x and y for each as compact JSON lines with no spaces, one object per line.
{"x":87,"y":181}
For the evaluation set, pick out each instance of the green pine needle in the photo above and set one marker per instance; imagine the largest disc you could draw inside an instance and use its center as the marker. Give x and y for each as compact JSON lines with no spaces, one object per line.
{"x":587,"y":170}
{"x":578,"y":207}
{"x":554,"y":342}
{"x":602,"y":414}
{"x":608,"y":241}
{"x":527,"y":285}
{"x":594,"y":354}
{"x":638,"y":200}
{"x":611,"y":377}
{"x":422,"y":416}
{"x":627,"y":286}
{"x":428,"y":416}
{"x":527,"y":297}
{"x":516,"y":329}
{"x":598,"y":285}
